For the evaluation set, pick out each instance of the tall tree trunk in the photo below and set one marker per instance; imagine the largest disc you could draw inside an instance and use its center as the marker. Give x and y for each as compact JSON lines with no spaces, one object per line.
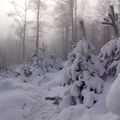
{"x":66,"y":39}
{"x":104,"y":35}
{"x":38,"y":27}
{"x":63,"y":42}
{"x":108,"y":33}
{"x":93,"y":33}
{"x":119,"y":8}
{"x":24,"y":30}
{"x":72,"y":18}
{"x":75,"y":19}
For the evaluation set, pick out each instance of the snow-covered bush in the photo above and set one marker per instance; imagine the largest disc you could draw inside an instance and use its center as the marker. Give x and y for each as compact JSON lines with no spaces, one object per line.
{"x":39,"y":66}
{"x":5,"y":70}
{"x":110,"y":55}
{"x":22,"y":70}
{"x":83,"y":76}
{"x":42,"y":65}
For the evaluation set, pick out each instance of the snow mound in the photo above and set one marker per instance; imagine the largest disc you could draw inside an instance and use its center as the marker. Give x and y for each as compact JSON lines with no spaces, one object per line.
{"x":113,"y":98}
{"x":16,"y":99}
{"x":14,"y":105}
{"x":8,"y":84}
{"x":66,"y":102}
{"x":75,"y":91}
{"x":84,"y":47}
{"x":71,"y":113}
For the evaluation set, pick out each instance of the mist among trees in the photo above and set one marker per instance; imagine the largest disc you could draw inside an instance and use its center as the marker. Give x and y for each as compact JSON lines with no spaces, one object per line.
{"x":55,"y":26}
{"x":60,"y":60}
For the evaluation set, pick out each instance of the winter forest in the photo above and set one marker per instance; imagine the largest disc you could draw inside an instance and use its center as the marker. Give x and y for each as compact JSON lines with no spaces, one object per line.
{"x":59,"y":59}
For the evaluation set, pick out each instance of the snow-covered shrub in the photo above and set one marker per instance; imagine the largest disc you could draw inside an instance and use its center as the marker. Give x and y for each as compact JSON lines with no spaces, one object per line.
{"x":113,"y":97}
{"x":72,"y":113}
{"x":22,"y":70}
{"x":110,"y":55}
{"x":42,"y":65}
{"x":5,"y":70}
{"x":39,"y":66}
{"x":84,"y":72}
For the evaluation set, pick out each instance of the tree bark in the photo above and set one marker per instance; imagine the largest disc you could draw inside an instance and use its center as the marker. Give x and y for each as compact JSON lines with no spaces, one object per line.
{"x":24,"y":30}
{"x":75,"y":19}
{"x":38,"y":27}
{"x":72,"y":18}
{"x":93,"y":33}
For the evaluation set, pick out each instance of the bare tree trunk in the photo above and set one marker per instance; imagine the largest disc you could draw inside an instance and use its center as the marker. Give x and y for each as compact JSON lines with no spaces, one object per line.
{"x":24,"y":30}
{"x":66,"y":41}
{"x":119,"y":8}
{"x":72,"y":18}
{"x":104,"y":35}
{"x":93,"y":34}
{"x":75,"y":19}
{"x":108,"y":33}
{"x":63,"y":42}
{"x":38,"y":27}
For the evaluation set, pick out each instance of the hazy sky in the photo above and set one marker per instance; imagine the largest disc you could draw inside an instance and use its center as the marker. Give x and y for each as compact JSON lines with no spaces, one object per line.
{"x":4,"y":21}
{"x":5,"y":7}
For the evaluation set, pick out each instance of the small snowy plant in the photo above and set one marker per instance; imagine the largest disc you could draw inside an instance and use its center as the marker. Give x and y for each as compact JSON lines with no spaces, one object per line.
{"x":41,"y":65}
{"x":83,"y":76}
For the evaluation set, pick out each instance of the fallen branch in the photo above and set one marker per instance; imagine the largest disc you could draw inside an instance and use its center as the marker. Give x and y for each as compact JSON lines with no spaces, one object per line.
{"x":56,"y":100}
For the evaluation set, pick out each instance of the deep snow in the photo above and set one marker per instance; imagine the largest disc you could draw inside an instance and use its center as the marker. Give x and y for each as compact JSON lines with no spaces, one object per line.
{"x":26,"y":101}
{"x":84,"y":75}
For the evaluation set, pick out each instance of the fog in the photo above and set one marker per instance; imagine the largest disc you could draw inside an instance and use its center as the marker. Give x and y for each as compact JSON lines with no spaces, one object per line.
{"x":52,"y":22}
{"x":9,"y":39}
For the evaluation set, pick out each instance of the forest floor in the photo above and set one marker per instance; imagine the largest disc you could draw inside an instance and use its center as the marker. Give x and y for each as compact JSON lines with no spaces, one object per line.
{"x":26,"y":100}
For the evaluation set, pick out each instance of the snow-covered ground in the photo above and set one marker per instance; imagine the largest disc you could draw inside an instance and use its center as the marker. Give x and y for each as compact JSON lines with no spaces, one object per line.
{"x":85,"y":89}
{"x":23,"y":101}
{"x":26,"y":101}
